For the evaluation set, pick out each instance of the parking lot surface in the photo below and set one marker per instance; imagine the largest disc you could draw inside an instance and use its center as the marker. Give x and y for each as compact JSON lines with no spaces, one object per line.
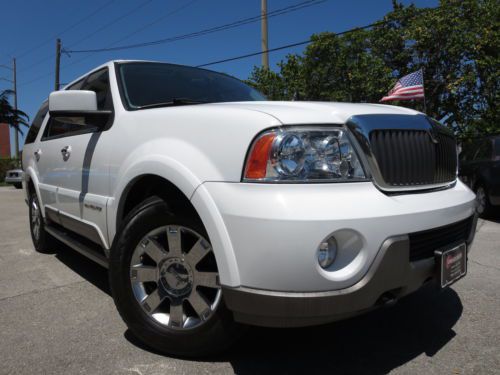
{"x":57,"y":317}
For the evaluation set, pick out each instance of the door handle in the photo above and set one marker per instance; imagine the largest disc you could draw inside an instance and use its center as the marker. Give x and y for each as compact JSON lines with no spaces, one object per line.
{"x":66,"y":152}
{"x":37,"y":154}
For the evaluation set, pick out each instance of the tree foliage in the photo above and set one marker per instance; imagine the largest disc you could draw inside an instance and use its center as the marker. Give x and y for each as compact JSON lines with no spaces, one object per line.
{"x":9,"y":115}
{"x":457,"y":45}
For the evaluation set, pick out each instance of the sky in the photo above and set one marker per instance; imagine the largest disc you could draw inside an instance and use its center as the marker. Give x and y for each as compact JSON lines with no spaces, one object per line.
{"x":31,"y":27}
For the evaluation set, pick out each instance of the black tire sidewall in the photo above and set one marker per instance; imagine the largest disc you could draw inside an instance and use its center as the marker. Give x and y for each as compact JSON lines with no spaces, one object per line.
{"x":212,"y":336}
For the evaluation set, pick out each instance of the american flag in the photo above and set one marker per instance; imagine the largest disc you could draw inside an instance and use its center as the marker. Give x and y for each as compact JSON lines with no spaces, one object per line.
{"x":409,"y":87}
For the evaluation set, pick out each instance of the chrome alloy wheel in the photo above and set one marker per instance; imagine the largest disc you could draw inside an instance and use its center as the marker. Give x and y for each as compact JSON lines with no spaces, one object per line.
{"x":174,"y":277}
{"x":36,"y":219}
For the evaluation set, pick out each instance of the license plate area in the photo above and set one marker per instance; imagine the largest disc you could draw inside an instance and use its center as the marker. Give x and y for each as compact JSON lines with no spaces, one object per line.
{"x":452,"y":264}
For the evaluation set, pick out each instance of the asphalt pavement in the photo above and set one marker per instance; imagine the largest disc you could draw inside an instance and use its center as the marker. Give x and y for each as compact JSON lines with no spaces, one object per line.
{"x":57,"y":317}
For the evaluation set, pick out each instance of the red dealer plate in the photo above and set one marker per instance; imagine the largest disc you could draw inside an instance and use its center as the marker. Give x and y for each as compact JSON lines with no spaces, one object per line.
{"x":452,"y":264}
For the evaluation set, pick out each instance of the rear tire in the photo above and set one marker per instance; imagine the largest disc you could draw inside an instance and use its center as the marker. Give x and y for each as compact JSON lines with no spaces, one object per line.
{"x":18,"y":185}
{"x":42,"y":241}
{"x":483,"y":205}
{"x":154,"y":289}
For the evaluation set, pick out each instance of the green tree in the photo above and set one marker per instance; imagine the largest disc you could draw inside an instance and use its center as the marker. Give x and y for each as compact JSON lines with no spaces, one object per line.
{"x":14,"y":117}
{"x":457,"y":45}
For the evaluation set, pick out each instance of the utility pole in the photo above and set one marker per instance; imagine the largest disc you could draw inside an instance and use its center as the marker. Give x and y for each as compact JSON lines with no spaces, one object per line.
{"x":263,"y":31}
{"x":58,"y":62}
{"x":16,"y":133}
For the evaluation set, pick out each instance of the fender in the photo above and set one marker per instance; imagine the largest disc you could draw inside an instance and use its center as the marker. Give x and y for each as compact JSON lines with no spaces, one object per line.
{"x":180,"y":176}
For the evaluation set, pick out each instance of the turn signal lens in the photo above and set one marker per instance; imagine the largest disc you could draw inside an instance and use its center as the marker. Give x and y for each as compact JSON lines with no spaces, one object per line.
{"x":259,"y":155}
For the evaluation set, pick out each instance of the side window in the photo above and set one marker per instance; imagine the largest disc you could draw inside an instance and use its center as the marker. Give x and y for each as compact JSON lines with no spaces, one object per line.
{"x":58,"y":127}
{"x":497,"y":148}
{"x":37,"y":123}
{"x":77,"y":85}
{"x":484,"y":151}
{"x":97,"y":82}
{"x":469,"y":149}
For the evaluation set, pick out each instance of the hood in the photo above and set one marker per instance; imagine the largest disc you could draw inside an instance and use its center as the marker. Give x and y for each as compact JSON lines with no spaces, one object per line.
{"x":290,"y":113}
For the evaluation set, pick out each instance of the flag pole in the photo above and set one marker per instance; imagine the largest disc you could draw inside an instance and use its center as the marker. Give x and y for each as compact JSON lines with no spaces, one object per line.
{"x":423,"y":86}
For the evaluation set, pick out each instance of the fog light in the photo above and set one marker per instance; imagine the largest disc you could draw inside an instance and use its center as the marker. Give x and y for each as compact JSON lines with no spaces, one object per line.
{"x":327,"y":252}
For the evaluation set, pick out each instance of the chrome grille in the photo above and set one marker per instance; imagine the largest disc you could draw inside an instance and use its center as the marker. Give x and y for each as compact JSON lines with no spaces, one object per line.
{"x":411,"y":158}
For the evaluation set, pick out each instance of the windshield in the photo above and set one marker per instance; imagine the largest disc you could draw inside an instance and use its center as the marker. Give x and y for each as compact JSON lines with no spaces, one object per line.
{"x":156,"y":84}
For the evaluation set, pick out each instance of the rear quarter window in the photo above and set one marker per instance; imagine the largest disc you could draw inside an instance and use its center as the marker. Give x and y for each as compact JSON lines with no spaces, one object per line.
{"x":37,"y":123}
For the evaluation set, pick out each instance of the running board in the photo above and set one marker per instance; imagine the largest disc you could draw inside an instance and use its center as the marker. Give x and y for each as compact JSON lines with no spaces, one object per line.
{"x":71,"y":241}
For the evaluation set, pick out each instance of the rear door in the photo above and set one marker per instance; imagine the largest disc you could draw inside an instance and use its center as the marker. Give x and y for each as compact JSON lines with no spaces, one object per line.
{"x":495,"y":173}
{"x":32,"y":155}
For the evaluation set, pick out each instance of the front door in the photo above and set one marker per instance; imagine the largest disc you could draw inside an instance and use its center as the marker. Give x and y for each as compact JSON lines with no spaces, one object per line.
{"x":77,"y":168}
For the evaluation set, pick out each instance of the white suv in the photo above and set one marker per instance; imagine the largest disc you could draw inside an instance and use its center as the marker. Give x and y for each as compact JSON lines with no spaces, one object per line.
{"x":213,"y":207}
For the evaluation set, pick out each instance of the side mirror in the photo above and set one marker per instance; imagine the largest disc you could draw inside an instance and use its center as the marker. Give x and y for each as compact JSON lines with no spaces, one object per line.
{"x":72,"y":101}
{"x":77,"y":107}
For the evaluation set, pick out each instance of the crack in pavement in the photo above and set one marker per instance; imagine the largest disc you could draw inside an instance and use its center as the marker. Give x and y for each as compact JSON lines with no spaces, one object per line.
{"x":42,"y":290}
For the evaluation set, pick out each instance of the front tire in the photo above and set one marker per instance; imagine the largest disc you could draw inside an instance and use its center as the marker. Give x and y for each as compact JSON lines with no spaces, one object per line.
{"x":18,"y":185}
{"x":164,"y":282}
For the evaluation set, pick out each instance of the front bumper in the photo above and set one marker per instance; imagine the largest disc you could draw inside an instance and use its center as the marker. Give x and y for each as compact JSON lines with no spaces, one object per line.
{"x":390,"y":277}
{"x":271,"y":233}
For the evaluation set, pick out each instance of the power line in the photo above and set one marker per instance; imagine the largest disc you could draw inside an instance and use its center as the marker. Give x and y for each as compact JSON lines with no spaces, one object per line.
{"x":67,"y":29}
{"x":379,"y":23}
{"x":107,"y":25}
{"x":288,"y":45}
{"x":274,"y":14}
{"x":245,"y":21}
{"x":374,"y":24}
{"x":171,"y":13}
{"x":174,"y":11}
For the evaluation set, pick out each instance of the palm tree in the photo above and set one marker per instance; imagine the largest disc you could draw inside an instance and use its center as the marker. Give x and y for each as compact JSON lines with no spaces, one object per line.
{"x":9,"y":115}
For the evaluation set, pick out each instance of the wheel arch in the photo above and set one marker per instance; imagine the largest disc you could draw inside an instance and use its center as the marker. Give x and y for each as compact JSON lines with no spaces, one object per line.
{"x":177,"y":188}
{"x":146,"y":185}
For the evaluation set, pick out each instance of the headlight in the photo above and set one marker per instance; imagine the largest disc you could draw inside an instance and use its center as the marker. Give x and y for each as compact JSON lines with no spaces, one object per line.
{"x":303,"y":154}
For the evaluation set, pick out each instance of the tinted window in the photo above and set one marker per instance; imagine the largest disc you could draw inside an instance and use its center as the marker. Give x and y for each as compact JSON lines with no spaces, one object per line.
{"x":37,"y":123}
{"x":77,"y":85}
{"x":496,"y":148}
{"x":59,"y":127}
{"x":146,"y":84}
{"x":97,"y":82}
{"x":484,"y":151}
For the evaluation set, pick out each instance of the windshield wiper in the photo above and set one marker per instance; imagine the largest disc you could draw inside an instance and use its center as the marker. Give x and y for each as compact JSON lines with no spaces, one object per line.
{"x":173,"y":102}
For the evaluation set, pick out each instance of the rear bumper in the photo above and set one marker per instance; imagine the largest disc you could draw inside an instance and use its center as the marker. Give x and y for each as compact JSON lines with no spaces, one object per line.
{"x":390,"y":277}
{"x":13,"y":180}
